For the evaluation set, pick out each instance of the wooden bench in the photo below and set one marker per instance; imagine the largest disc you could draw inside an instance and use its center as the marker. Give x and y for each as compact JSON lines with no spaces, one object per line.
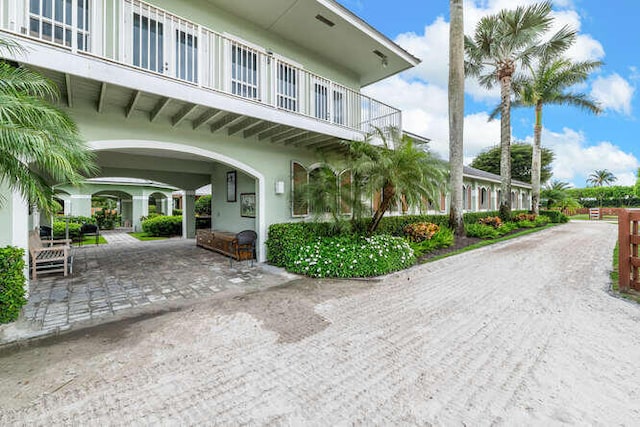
{"x":223,"y":242}
{"x":49,"y":255}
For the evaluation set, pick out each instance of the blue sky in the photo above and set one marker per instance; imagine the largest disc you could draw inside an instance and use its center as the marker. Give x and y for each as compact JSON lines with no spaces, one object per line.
{"x":581,"y":142}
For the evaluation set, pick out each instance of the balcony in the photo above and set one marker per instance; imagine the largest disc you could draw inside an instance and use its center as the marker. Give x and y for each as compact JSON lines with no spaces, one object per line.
{"x":139,"y":36}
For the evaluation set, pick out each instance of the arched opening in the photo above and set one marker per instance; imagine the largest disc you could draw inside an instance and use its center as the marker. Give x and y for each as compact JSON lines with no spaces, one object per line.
{"x":484,"y":204}
{"x":189,"y":168}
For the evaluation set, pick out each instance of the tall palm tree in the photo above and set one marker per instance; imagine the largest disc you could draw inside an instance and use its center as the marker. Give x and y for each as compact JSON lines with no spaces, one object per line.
{"x":601,"y":177}
{"x":548,"y":84}
{"x":456,"y":114}
{"x":502,"y":43}
{"x":39,"y":143}
{"x":404,"y":172}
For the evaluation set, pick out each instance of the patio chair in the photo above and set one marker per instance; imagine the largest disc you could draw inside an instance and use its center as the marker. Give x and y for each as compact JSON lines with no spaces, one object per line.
{"x":245,"y":246}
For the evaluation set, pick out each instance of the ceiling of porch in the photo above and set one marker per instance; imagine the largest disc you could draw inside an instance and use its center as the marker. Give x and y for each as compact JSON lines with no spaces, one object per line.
{"x":135,"y":105}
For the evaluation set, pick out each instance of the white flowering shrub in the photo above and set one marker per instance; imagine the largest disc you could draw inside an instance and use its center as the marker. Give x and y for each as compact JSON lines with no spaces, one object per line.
{"x":352,"y":256}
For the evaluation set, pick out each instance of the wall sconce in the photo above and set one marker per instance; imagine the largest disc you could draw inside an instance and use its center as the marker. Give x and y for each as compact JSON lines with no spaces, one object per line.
{"x":279,"y":187}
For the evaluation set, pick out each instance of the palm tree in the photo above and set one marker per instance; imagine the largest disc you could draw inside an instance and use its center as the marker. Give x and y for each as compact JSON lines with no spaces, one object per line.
{"x":39,"y":143}
{"x":548,"y":85}
{"x":456,"y":114}
{"x":601,"y":177}
{"x":502,"y":43}
{"x":555,"y":192}
{"x":401,"y":169}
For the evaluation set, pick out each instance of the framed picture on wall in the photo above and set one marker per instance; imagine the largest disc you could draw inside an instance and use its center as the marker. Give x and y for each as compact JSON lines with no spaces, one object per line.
{"x":231,"y":186}
{"x":248,"y":205}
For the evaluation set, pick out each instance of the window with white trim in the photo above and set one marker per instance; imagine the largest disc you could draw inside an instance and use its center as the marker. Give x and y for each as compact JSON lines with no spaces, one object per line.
{"x":52,"y":20}
{"x":338,"y":107}
{"x":287,"y":87}
{"x":148,"y":43}
{"x":186,"y":55}
{"x":244,"y":71}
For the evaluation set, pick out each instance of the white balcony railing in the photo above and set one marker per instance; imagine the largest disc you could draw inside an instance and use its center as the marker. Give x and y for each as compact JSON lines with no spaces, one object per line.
{"x":139,"y":35}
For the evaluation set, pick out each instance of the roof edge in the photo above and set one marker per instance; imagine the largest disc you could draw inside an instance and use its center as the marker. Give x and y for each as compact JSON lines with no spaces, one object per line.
{"x":365,"y":27}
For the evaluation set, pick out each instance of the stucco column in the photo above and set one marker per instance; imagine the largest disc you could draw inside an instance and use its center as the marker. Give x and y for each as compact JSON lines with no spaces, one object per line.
{"x":140,"y":208}
{"x":126,"y":212}
{"x":168,"y":204}
{"x":80,"y":205}
{"x":189,"y":214}
{"x":14,"y":224}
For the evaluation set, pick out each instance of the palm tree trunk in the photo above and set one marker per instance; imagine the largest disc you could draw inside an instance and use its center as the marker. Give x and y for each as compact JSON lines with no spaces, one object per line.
{"x":456,"y":114}
{"x":536,"y":160}
{"x":505,"y":146}
{"x":388,"y":193}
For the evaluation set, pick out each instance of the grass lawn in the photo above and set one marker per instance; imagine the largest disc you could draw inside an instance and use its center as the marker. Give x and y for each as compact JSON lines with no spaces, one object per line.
{"x":91,"y":240}
{"x":141,"y":235}
{"x":632,"y":294}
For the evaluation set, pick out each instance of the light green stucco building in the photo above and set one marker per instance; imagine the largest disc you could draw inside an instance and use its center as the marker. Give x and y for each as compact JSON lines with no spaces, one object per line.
{"x":196,"y":92}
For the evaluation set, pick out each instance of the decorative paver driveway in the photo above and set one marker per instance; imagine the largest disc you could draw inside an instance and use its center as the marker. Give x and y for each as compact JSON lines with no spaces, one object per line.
{"x":519,"y":333}
{"x":126,"y":273}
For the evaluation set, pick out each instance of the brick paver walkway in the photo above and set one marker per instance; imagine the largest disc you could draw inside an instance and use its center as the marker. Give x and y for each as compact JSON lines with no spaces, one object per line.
{"x":518,"y":333}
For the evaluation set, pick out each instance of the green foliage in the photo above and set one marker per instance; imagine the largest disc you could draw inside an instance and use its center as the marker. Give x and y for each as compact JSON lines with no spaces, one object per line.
{"x":12,"y":283}
{"x":506,"y":228}
{"x":78,"y":219}
{"x":542,"y":220}
{"x":601,"y":178}
{"x":613,"y":192}
{"x":285,"y":239}
{"x":481,"y":230}
{"x":489,"y":161}
{"x":34,"y":129}
{"x":59,"y":230}
{"x":526,"y":224}
{"x":352,"y":256}
{"x":474,"y":217}
{"x":556,"y":217}
{"x":442,"y":239}
{"x":163,"y":226}
{"x":203,"y":205}
{"x":395,"y":225}
{"x":177,"y":212}
{"x":400,"y":168}
{"x":153,"y":209}
{"x":107,"y":219}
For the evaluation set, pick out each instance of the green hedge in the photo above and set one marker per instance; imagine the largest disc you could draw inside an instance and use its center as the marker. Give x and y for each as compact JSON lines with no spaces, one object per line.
{"x":12,"y":283}
{"x":556,"y":217}
{"x":59,"y":230}
{"x":163,"y":225}
{"x":284,"y":239}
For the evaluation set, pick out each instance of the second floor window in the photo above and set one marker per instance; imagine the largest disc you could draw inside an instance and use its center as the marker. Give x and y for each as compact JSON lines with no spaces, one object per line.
{"x":148,"y":43}
{"x":287,"y":87}
{"x":186,"y":56}
{"x":244,"y":72}
{"x":52,"y":20}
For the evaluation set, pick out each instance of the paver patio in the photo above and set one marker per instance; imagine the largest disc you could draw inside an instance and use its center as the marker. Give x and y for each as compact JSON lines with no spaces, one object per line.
{"x":126,"y":274}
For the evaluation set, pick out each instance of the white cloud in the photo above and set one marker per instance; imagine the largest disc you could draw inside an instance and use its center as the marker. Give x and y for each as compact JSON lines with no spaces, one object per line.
{"x":575,"y":159}
{"x":614,"y":93}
